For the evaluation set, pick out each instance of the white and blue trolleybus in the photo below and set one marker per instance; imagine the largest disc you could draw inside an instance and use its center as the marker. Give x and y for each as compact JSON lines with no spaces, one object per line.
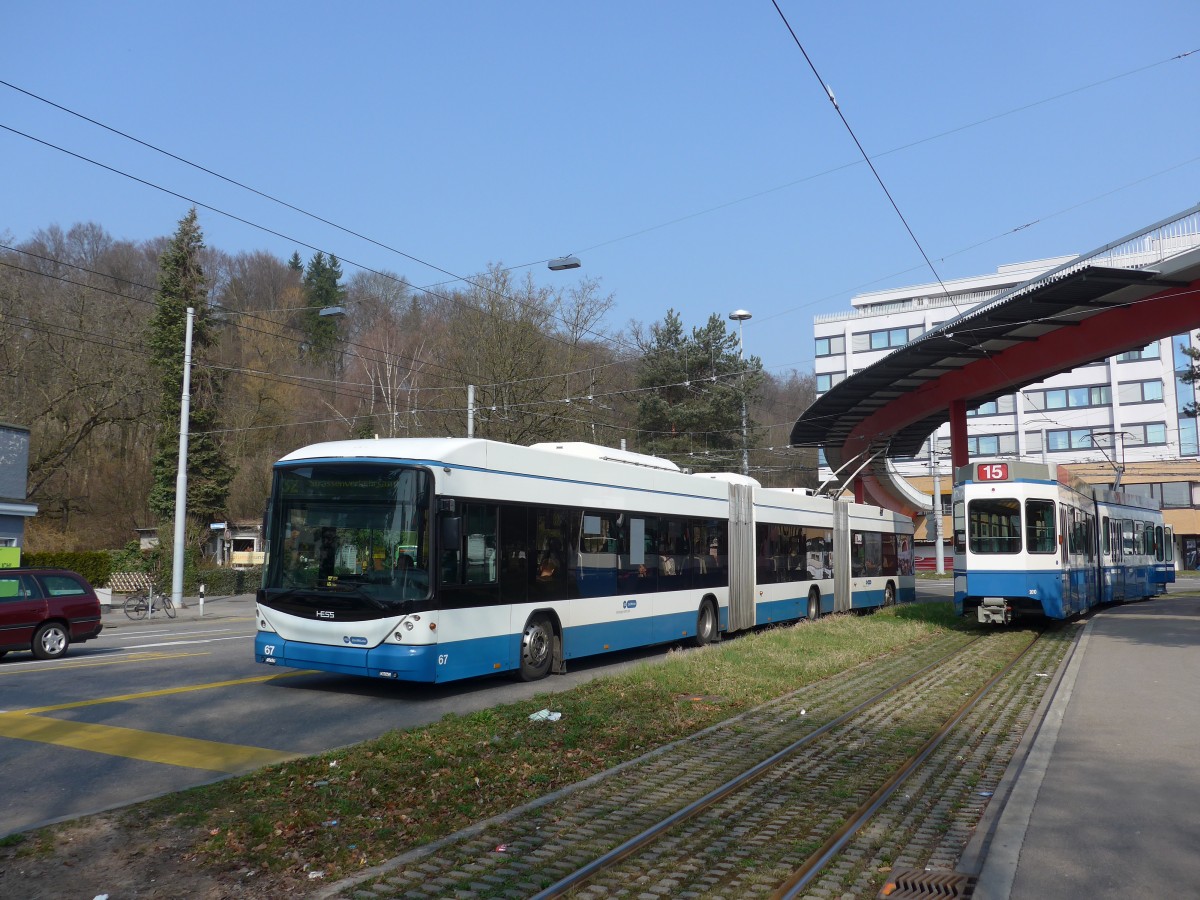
{"x":1034,"y":540}
{"x":438,"y":559}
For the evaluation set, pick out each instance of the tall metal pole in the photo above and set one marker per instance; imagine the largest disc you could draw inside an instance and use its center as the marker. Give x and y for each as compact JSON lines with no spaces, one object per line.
{"x":937,"y":505}
{"x":470,"y":410}
{"x":740,"y":316}
{"x":185,"y":407}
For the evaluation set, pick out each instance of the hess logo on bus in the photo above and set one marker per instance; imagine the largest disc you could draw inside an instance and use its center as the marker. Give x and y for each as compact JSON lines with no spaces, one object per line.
{"x":325,"y":614}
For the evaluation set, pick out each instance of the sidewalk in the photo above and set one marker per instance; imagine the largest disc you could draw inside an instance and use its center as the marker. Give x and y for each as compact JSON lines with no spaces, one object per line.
{"x":220,"y":607}
{"x":1106,"y":803}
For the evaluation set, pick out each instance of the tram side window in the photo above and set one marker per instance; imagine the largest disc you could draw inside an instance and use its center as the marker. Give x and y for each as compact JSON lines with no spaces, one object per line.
{"x":994,"y":525}
{"x":1158,"y":543}
{"x":1039,"y":526}
{"x":1104,"y":534}
{"x":1127,"y":545}
{"x":866,"y":554}
{"x":1082,"y":536}
{"x":784,"y":553}
{"x":554,"y":571}
{"x":819,"y":552}
{"x":716,"y":539}
{"x":1139,"y":538}
{"x":891,"y":562}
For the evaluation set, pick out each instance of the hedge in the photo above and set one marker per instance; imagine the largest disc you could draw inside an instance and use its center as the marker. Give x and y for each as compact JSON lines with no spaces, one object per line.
{"x":225,"y":582}
{"x":94,"y":565}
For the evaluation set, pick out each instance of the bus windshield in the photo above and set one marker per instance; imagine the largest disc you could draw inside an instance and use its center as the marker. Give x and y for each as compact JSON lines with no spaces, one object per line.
{"x":358,"y":528}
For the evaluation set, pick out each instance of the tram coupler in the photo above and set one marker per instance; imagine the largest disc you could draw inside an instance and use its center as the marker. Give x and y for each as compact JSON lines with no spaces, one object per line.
{"x":994,"y":611}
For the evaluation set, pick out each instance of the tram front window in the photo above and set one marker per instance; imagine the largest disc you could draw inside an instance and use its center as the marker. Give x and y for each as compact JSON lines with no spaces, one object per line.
{"x":354,"y":528}
{"x":994,"y":525}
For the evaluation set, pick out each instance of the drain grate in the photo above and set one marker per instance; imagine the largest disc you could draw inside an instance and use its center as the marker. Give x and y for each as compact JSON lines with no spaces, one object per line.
{"x":918,"y":884}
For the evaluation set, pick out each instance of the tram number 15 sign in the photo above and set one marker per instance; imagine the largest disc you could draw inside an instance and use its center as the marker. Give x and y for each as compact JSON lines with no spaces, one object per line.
{"x":993,"y":472}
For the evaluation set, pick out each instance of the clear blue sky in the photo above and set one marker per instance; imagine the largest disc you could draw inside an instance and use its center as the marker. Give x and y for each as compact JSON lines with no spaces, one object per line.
{"x":684,"y":149}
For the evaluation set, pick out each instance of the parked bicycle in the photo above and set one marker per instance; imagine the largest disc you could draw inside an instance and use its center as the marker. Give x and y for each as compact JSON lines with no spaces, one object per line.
{"x":143,"y":603}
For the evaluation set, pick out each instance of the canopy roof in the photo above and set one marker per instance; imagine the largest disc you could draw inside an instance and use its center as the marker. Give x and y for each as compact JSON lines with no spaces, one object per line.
{"x":1118,"y":298}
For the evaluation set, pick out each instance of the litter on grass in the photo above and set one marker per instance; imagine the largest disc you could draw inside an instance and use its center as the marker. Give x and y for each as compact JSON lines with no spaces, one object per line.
{"x":544,"y":715}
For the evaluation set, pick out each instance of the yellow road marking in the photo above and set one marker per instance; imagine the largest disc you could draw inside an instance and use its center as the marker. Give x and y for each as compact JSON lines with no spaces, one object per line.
{"x":133,"y":744}
{"x":163,"y":692}
{"x":28,"y":725}
{"x":106,"y":661}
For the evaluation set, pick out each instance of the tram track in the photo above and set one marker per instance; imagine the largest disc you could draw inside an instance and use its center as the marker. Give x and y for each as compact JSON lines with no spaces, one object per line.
{"x":740,"y":808}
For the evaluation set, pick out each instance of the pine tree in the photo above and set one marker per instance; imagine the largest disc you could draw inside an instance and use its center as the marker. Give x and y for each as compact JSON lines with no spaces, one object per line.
{"x":181,"y":284}
{"x":321,"y":289}
{"x":690,"y":410}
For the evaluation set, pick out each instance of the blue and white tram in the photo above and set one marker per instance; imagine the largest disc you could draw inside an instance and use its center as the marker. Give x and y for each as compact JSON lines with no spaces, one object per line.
{"x":438,"y":559}
{"x":1031,"y":539}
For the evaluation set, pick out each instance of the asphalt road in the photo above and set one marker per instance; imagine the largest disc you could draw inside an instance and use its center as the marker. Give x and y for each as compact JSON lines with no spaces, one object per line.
{"x":154,"y":707}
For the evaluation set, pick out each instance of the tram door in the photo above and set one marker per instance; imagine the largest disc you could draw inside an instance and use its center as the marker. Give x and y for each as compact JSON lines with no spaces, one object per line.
{"x":1117,"y":570}
{"x":1064,"y":554}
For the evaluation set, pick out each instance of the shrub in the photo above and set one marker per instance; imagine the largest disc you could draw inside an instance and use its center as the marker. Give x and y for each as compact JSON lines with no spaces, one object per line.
{"x":224,"y":582}
{"x":94,"y":565}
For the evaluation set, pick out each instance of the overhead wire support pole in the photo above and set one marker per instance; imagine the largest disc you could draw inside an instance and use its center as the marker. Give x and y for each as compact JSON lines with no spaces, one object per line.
{"x":185,"y":407}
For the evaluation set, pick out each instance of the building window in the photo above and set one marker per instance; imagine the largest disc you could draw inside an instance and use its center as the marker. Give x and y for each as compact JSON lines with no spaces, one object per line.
{"x":1140,"y":391}
{"x":1169,"y":494}
{"x":1069,"y":398}
{"x":1185,"y":398}
{"x":1150,"y":351}
{"x":831,"y":346}
{"x":826,"y":380}
{"x":992,"y":445}
{"x":885,"y":339}
{"x":1147,"y":434}
{"x":1000,"y":406}
{"x":1063,"y":439}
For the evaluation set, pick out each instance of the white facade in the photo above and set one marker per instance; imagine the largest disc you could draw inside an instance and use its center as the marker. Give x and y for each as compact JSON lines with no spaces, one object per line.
{"x":1122,"y":410}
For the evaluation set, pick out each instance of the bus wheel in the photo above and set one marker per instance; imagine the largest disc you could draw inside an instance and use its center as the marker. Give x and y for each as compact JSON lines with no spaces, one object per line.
{"x":889,"y":595}
{"x":537,"y":646}
{"x":706,"y":624}
{"x":814,"y":604}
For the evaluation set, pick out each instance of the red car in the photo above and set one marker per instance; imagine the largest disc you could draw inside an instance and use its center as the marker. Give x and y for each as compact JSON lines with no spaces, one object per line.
{"x":44,"y":610}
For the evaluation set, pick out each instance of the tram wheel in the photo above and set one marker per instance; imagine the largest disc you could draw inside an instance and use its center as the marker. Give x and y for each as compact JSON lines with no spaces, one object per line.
{"x":537,"y":648}
{"x":889,"y":595}
{"x":706,"y":624}
{"x":814,"y":604}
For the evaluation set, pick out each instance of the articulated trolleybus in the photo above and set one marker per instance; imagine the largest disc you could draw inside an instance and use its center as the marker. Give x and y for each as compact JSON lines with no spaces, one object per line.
{"x":437,"y":559}
{"x":1033,"y":540}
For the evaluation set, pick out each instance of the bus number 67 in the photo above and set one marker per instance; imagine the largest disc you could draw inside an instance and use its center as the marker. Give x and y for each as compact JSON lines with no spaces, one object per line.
{"x":443,"y":658}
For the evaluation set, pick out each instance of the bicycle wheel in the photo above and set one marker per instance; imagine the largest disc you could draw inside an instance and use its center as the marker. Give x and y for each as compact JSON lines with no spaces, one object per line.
{"x":167,"y":606}
{"x":136,"y":606}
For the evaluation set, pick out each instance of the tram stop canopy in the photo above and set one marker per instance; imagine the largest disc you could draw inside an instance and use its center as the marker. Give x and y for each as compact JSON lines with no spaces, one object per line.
{"x":1117,"y":298}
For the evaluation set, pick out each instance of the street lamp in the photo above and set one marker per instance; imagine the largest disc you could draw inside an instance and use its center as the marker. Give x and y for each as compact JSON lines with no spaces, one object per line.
{"x":740,"y":316}
{"x":185,"y":408}
{"x":563,"y":262}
